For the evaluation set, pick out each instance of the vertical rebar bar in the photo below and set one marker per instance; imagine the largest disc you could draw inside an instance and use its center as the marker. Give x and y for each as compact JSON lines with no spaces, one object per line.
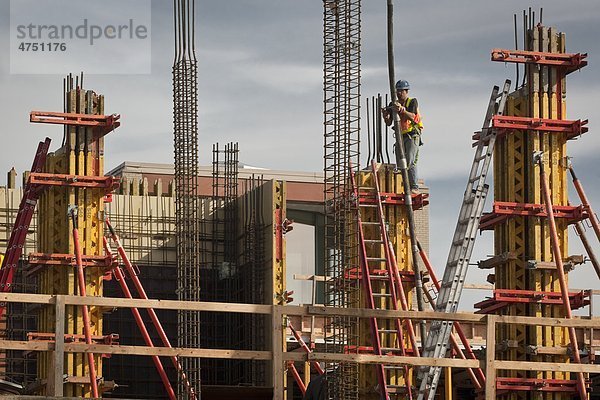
{"x":187,"y":202}
{"x":341,"y":80}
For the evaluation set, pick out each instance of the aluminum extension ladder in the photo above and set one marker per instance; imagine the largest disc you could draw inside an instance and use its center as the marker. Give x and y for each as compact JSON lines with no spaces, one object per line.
{"x":378,"y":267}
{"x":461,"y":248}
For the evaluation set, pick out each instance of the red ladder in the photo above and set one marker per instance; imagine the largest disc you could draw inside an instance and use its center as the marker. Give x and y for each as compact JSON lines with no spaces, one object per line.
{"x":378,"y":250}
{"x":14,"y":249}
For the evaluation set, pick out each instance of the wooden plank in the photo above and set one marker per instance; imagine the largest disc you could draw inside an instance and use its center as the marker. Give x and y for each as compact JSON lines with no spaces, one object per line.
{"x":55,"y":379}
{"x":278,"y":353}
{"x":546,"y":366}
{"x":391,"y":360}
{"x":490,"y":356}
{"x":415,"y":315}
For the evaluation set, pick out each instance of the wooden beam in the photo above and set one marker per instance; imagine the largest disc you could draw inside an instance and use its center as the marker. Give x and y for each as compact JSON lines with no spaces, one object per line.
{"x":55,"y":377}
{"x":392,"y":314}
{"x":496,"y":260}
{"x":546,"y":366}
{"x":393,"y":360}
{"x":576,"y":323}
{"x":278,"y":355}
{"x":295,"y":310}
{"x":490,"y":356}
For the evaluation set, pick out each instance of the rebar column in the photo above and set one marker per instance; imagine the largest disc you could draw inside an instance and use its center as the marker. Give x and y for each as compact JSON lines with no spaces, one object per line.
{"x":187,"y":202}
{"x":341,"y":81}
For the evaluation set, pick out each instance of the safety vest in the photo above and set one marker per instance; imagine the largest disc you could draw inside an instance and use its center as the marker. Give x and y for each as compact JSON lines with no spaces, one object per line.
{"x":406,"y":125}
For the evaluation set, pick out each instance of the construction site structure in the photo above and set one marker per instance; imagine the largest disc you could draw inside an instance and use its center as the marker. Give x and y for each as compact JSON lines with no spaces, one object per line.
{"x":525,"y":239}
{"x":341,"y":86}
{"x":81,"y":155}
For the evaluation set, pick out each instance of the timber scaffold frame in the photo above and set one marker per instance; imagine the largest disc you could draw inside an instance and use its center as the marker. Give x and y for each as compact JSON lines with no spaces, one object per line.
{"x":278,"y":356}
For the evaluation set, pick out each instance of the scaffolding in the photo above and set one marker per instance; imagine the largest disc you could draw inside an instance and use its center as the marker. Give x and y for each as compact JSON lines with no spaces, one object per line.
{"x":220,"y":278}
{"x":187,"y":203}
{"x":531,"y":153}
{"x":341,"y":78}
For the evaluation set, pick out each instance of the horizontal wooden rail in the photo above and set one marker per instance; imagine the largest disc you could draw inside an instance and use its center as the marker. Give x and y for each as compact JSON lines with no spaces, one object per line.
{"x":278,"y":357}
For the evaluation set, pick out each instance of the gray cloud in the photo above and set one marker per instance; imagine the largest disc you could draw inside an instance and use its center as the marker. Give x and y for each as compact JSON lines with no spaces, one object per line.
{"x":260,"y":78}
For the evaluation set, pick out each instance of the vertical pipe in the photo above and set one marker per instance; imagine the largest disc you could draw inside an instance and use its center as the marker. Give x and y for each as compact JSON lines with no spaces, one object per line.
{"x":154,"y":318}
{"x":84,"y":308}
{"x":561,"y":273}
{"x":588,"y":247}
{"x":401,"y":157}
{"x":119,"y":277}
{"x":584,"y":200}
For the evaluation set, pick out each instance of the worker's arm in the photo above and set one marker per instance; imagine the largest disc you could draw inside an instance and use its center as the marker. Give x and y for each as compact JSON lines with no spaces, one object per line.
{"x":407,"y":114}
{"x":387,"y":113}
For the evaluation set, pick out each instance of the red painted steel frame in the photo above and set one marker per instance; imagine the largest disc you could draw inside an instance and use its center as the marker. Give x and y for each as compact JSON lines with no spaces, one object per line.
{"x":119,"y":277}
{"x":369,"y":294}
{"x":537,"y":385}
{"x":418,"y":200}
{"x":109,"y":183}
{"x":556,"y":252}
{"x":84,"y":308}
{"x":570,"y":61}
{"x":503,"y":210}
{"x":292,"y":368}
{"x":103,"y":124}
{"x":68,"y":259}
{"x":503,"y":123}
{"x":155,"y":321}
{"x":305,"y":347}
{"x":109,"y":339}
{"x":19,"y":231}
{"x":503,"y":297}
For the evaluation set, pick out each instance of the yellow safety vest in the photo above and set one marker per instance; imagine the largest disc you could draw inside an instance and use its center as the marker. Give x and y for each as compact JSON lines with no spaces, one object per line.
{"x":406,"y":125}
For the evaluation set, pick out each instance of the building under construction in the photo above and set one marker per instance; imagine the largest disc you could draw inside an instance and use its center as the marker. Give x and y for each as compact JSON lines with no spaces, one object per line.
{"x":198,"y":255}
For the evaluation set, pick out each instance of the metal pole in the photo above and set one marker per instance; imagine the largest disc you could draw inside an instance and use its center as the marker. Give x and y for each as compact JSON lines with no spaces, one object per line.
{"x":84,"y":308}
{"x":588,"y":247}
{"x":404,"y":168}
{"x":119,"y":277}
{"x":155,"y":321}
{"x":561,"y":273}
{"x":584,"y":200}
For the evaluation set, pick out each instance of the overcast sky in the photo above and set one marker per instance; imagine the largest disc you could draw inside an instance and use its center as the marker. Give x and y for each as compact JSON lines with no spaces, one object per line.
{"x":260,"y":84}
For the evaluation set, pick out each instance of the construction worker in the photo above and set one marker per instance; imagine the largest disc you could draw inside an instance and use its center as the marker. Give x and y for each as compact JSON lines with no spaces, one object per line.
{"x":410,"y":128}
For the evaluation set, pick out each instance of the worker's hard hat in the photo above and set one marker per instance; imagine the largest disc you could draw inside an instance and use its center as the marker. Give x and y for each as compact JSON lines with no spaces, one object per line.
{"x":401,"y":85}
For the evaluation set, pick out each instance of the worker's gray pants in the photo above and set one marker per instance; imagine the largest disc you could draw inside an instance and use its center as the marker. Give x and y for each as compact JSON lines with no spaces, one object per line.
{"x":411,"y":152}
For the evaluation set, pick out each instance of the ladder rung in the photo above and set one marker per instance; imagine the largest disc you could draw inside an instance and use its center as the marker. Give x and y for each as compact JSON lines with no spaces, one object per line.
{"x":475,"y":179}
{"x":464,"y":220}
{"x":394,"y":367}
{"x":380,"y":277}
{"x":370,"y":223}
{"x":470,"y":199}
{"x":388,"y":331}
{"x":458,"y":242}
{"x":376,"y":259}
{"x":368,"y":205}
{"x":382,"y":295}
{"x":389,"y":349}
{"x":447,"y":284}
{"x":373,"y":241}
{"x":367,"y":188}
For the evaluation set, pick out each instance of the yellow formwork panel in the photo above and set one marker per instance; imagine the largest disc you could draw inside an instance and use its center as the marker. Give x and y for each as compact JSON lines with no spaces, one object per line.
{"x":517,"y":179}
{"x":77,"y":157}
{"x":390,"y":181}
